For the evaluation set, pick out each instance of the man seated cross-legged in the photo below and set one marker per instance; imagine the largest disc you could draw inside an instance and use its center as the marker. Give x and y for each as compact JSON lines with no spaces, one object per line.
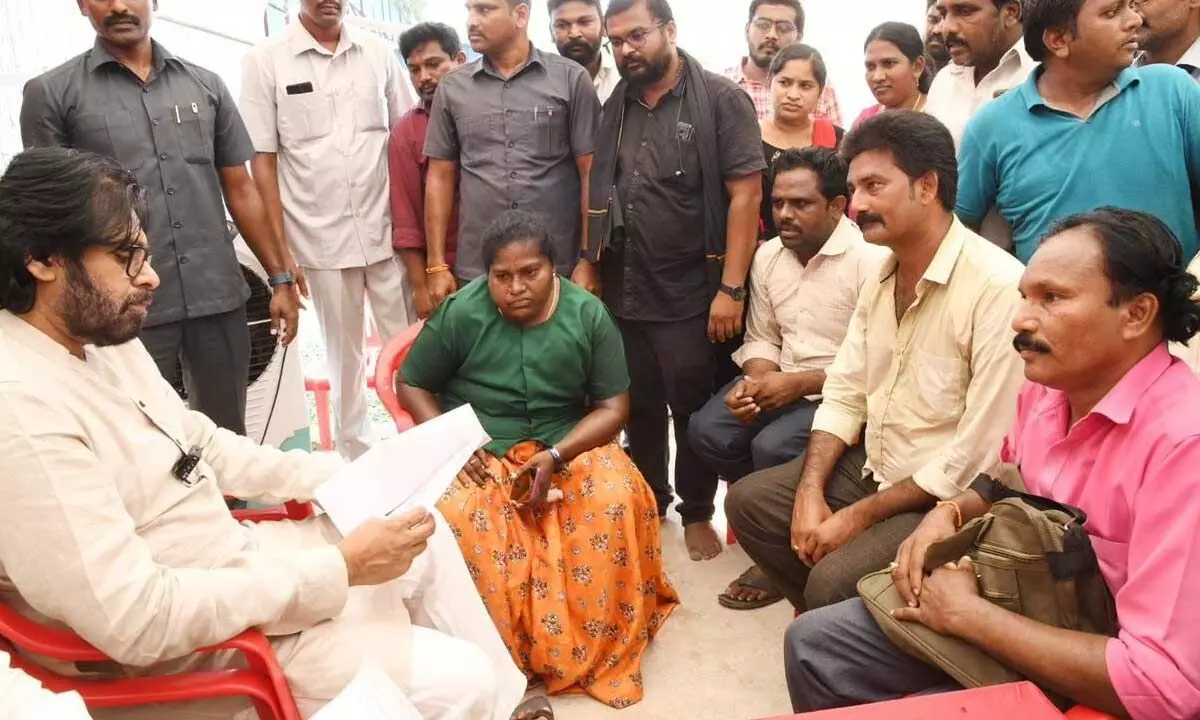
{"x":114,"y":517}
{"x":1109,"y":422}
{"x":926,"y":365}
{"x":804,"y":285}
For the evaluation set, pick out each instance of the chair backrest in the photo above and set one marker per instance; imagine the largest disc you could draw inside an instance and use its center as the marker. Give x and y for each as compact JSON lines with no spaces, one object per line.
{"x":389,"y":362}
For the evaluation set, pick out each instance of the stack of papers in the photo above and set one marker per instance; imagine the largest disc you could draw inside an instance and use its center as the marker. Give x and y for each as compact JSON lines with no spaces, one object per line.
{"x":410,"y":470}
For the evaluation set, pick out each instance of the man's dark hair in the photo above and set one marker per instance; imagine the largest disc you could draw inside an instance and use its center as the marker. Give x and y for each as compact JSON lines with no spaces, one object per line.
{"x":919,"y":143}
{"x":793,"y":4}
{"x":1142,"y":255}
{"x":830,"y":168}
{"x":911,"y":45}
{"x":516,"y":226}
{"x":1042,"y":15}
{"x":56,"y":202}
{"x":552,"y":5}
{"x":660,"y":9}
{"x":428,"y":32}
{"x":800,"y":51}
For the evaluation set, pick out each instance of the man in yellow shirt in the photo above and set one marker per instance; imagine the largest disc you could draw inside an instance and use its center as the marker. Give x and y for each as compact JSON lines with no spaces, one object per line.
{"x":927,"y":366}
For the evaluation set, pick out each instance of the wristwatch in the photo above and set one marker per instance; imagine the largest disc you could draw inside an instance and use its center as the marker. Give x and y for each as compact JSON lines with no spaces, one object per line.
{"x":284,"y":278}
{"x":737,"y":293}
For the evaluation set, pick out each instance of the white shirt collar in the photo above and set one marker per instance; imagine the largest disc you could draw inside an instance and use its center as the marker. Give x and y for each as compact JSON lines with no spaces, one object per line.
{"x":301,"y":41}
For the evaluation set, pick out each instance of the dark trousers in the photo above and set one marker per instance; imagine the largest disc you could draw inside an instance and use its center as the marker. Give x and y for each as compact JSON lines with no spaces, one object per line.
{"x":671,"y":365}
{"x":837,"y":656}
{"x":213,"y":355}
{"x":735,"y":449}
{"x":759,"y":507}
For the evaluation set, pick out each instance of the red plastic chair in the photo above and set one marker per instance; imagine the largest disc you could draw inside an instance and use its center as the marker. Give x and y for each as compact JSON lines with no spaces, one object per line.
{"x":291,"y":510}
{"x":316,"y":381}
{"x":391,"y":357}
{"x":1080,"y":712}
{"x":263,"y":683}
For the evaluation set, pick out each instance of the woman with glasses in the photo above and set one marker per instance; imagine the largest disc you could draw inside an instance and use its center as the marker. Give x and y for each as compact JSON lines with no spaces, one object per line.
{"x":797,"y":78}
{"x":898,"y":71}
{"x":558,"y":528}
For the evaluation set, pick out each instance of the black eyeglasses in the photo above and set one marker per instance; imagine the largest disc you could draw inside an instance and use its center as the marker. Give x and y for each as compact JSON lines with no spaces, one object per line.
{"x":782,"y":27}
{"x":636,"y":40}
{"x":136,"y":256}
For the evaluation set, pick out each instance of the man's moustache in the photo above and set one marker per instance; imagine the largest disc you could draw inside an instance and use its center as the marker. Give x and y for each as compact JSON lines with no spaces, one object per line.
{"x":863,"y":219}
{"x":580,"y":45}
{"x":120,"y":18}
{"x":1027,"y":342}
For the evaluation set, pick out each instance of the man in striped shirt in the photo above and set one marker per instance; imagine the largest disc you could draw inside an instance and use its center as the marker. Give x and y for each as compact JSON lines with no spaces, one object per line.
{"x":773,"y":25}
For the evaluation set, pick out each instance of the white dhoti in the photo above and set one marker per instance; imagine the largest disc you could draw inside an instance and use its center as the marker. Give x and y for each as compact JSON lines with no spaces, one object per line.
{"x":428,"y":630}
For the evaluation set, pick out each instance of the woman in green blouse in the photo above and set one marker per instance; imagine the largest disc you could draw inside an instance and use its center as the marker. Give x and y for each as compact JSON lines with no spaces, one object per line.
{"x":557,"y":526}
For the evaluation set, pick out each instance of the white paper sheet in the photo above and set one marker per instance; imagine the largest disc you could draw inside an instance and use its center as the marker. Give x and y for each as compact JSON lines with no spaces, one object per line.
{"x":370,"y":695}
{"x":412,"y":469}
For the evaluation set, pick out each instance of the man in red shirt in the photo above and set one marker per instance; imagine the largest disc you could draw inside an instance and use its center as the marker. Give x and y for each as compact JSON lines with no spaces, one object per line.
{"x":430,"y":50}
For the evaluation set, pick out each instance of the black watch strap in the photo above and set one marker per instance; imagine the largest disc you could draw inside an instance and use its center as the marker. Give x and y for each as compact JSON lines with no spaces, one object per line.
{"x":737,"y":293}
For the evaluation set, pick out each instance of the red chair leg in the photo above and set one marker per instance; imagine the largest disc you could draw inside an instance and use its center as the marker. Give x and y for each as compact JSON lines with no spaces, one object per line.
{"x":324,"y":419}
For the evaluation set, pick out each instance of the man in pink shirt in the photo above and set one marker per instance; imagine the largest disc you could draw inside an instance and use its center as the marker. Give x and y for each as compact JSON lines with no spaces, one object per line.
{"x":430,"y":50}
{"x":1109,"y":422}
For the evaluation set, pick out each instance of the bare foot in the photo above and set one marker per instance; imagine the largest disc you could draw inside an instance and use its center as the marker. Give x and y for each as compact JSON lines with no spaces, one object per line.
{"x":702,"y":540}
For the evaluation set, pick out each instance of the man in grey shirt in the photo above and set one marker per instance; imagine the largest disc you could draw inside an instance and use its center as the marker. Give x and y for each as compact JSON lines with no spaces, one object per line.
{"x":176,"y":126}
{"x":516,"y":128}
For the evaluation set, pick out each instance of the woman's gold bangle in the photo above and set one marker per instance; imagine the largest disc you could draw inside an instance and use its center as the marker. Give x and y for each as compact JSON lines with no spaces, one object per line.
{"x":437,"y":269}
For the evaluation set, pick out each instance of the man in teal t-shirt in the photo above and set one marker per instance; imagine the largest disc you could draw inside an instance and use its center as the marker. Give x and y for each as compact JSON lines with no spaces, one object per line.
{"x":1085,"y":130}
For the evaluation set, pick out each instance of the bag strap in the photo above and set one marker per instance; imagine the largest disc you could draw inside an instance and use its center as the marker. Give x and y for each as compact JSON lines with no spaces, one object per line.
{"x":1078,"y":557}
{"x":992,"y":490}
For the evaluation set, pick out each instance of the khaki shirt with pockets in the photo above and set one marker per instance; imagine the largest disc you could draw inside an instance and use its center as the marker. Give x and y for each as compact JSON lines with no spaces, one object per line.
{"x":328,"y":116}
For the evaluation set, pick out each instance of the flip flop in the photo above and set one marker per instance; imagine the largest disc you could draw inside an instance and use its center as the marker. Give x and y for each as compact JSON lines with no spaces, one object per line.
{"x":752,"y":579}
{"x":535,"y":708}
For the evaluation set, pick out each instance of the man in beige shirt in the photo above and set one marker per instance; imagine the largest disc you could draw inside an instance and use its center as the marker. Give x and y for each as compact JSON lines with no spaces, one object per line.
{"x":927,"y":366}
{"x":319,"y":101}
{"x":804,"y":285}
{"x":114,"y":520}
{"x":989,"y":59}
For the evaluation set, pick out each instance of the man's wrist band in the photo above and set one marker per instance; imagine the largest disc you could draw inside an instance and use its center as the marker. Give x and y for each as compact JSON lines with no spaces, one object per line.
{"x":558,"y":459}
{"x":437,"y":269}
{"x":958,"y":518}
{"x":283,"y":278}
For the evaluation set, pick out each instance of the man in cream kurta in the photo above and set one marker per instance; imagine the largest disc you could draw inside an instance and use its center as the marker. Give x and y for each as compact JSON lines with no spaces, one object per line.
{"x":107,"y":533}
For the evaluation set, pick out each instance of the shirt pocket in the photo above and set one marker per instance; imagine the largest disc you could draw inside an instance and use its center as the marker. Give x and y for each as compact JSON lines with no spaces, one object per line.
{"x":196,"y":124}
{"x":941,"y":385}
{"x":475,"y":136}
{"x":679,"y":158}
{"x":304,"y":117}
{"x":113,"y":134}
{"x":551,"y":135}
{"x":369,"y":114}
